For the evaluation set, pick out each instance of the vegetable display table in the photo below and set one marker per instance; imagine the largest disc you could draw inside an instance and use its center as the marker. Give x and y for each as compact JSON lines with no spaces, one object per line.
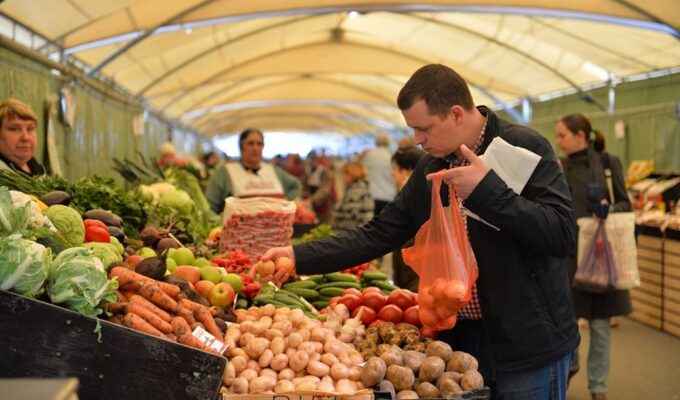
{"x":41,"y":340}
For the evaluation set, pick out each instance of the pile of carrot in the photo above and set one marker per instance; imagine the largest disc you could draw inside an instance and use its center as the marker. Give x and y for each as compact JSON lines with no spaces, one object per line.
{"x":159,"y":309}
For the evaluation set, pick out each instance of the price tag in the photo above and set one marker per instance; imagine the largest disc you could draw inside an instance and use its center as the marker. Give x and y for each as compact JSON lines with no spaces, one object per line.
{"x":209,"y":340}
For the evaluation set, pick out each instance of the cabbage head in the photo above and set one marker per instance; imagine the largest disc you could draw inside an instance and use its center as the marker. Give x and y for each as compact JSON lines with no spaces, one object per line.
{"x":106,"y":252}
{"x":178,"y":200}
{"x":69,"y":223}
{"x":77,"y":280}
{"x":12,"y":218}
{"x":23,"y":265}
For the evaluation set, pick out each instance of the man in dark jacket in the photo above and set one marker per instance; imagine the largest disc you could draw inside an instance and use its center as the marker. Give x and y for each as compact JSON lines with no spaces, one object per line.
{"x":524,"y":329}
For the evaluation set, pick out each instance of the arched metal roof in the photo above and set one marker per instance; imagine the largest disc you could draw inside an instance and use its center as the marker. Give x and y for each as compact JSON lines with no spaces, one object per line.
{"x":222,"y":65}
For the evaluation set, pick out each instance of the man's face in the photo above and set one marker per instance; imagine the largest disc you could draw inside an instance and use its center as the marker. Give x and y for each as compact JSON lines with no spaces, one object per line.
{"x":567,"y":141}
{"x":17,"y":140}
{"x":437,"y":136}
{"x":251,"y":150}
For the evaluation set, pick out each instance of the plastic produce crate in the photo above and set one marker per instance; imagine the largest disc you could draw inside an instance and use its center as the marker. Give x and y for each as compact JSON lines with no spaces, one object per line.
{"x":41,"y":340}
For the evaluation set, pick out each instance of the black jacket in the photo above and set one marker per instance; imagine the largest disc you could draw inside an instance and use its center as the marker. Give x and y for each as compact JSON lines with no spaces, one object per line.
{"x":523,"y":285}
{"x":582,"y":168}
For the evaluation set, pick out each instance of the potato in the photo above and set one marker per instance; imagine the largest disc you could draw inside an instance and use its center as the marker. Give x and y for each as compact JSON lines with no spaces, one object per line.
{"x":294,"y":340}
{"x":256,"y":346}
{"x":329,"y":359}
{"x":240,"y":386}
{"x":248,"y":374}
{"x":286,"y":374}
{"x":431,"y":369}
{"x":413,"y":360}
{"x":229,"y":375}
{"x":279,"y":362}
{"x":471,"y":380}
{"x":461,"y":362}
{"x":260,"y":384}
{"x":401,"y":377}
{"x":239,"y":363}
{"x":338,"y":371}
{"x":383,"y":348}
{"x":317,"y":368}
{"x":388,"y":387}
{"x":391,"y":358}
{"x":449,"y":375}
{"x":449,"y":388}
{"x":345,"y":386}
{"x":407,"y":394}
{"x":426,"y":390}
{"x":284,"y":386}
{"x":439,"y":349}
{"x":298,"y":361}
{"x":374,"y":372}
{"x":265,"y":359}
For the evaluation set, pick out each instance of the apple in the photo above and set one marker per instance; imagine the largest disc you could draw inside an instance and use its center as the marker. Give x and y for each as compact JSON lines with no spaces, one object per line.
{"x":133,"y":260}
{"x":221,"y":295}
{"x":266,"y":268}
{"x":146,"y":252}
{"x":234,"y":280}
{"x":171,"y":264}
{"x":188,"y":273}
{"x":204,"y":287}
{"x":202,"y":262}
{"x":210,"y":273}
{"x":183,"y":256}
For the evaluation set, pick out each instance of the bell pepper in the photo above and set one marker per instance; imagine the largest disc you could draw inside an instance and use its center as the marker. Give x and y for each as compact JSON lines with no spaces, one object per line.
{"x":96,"y":231}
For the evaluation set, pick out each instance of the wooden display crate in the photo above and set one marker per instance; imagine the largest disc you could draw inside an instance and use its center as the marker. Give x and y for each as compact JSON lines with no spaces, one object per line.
{"x":41,"y":340}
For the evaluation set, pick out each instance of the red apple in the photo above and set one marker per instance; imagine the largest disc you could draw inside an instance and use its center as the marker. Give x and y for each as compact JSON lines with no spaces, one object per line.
{"x":189,"y":273}
{"x":221,"y":295}
{"x":203,"y":287}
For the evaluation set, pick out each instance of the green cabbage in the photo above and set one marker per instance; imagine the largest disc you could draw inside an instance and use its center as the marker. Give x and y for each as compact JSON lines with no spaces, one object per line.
{"x":78,"y":280}
{"x":178,"y":200}
{"x":69,"y":223}
{"x":12,"y":218}
{"x":106,"y":252}
{"x":23,"y":265}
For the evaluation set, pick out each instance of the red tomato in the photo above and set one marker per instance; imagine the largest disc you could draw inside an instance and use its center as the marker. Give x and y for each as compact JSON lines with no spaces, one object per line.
{"x":95,"y":233}
{"x":376,"y":323}
{"x":401,"y":298}
{"x":352,"y":291}
{"x":391,"y":313}
{"x":367,"y":317}
{"x":371,"y":289}
{"x":95,"y":222}
{"x":427,"y":332}
{"x":352,"y":301}
{"x":333,"y":301}
{"x":375,"y":300}
{"x":411,"y":316}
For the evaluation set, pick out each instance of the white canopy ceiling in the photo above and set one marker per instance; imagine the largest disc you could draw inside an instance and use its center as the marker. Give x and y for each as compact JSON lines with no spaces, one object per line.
{"x":223,"y":65}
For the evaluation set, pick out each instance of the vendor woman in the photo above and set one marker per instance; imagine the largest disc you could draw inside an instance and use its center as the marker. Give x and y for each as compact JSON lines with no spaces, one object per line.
{"x":18,"y":138}
{"x":249,"y":177}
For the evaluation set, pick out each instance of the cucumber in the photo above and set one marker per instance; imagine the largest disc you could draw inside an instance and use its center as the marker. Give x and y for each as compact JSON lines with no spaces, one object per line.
{"x":384,"y":285}
{"x":373,"y":276}
{"x":340,"y":277}
{"x":308,"y":294}
{"x":342,"y":285}
{"x":315,"y":278}
{"x":331,"y":291}
{"x":320,"y":304}
{"x":262,"y":299}
{"x":306,"y":284}
{"x":290,"y":301}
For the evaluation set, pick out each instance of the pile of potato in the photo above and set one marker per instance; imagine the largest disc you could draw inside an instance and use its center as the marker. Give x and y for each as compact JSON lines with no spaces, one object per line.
{"x":387,"y":334}
{"x":439,"y":372}
{"x":279,"y":350}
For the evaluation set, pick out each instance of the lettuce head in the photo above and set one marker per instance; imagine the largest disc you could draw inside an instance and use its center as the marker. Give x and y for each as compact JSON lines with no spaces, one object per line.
{"x":23,"y":265}
{"x":69,"y":223}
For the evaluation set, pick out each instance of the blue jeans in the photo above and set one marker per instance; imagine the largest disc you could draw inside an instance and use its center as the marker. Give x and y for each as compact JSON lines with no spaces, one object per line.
{"x":598,"y":355}
{"x":544,"y":383}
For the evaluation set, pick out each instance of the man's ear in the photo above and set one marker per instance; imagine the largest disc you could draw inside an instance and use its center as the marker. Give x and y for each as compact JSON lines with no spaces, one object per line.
{"x":457,"y":113}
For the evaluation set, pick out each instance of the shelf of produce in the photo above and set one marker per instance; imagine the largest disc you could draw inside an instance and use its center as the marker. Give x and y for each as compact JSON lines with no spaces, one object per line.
{"x":41,"y":340}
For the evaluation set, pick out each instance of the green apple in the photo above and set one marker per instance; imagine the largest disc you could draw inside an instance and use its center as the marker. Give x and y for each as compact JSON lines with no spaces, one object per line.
{"x":183,"y":256}
{"x":171,"y":264}
{"x":210,"y":273}
{"x":169,"y":252}
{"x":202,"y":262}
{"x":234,"y":280}
{"x":146,"y":252}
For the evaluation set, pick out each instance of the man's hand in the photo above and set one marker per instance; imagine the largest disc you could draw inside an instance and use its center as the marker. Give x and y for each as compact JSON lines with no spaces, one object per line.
{"x":465,"y":179}
{"x":280,"y":276}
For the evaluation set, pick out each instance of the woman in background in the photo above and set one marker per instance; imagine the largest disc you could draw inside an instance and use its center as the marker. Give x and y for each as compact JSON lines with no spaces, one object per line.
{"x":356,"y":207}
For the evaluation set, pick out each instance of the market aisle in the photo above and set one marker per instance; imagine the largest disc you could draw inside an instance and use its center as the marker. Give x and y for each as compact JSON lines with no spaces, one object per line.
{"x":644,"y":365}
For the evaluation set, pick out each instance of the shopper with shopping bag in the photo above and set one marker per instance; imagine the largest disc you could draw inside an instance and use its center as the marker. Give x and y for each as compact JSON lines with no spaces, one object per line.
{"x":519,"y":322}
{"x":585,"y":169}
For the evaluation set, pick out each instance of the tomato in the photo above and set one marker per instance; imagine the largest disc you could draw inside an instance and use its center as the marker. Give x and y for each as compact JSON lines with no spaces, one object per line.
{"x":368,"y":315}
{"x":411,"y":316}
{"x":95,"y":222}
{"x":427,"y":332}
{"x":401,"y":298}
{"x":376,"y":323}
{"x":391,"y":313}
{"x":95,"y":233}
{"x":371,"y":289}
{"x":333,"y":301}
{"x":375,"y":300}
{"x":352,"y":291}
{"x":352,"y":301}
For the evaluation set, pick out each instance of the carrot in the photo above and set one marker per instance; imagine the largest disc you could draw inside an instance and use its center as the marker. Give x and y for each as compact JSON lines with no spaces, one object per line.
{"x":116,"y":319}
{"x":120,"y":297}
{"x":191,"y":340}
{"x":180,"y":326}
{"x":149,"y":316}
{"x":134,"y":321}
{"x":196,"y":325}
{"x":169,"y":289}
{"x":153,"y":293}
{"x":149,"y":305}
{"x":187,"y":315}
{"x":116,"y":307}
{"x":192,"y":305}
{"x":202,"y":315}
{"x":128,"y":294}
{"x":130,"y":280}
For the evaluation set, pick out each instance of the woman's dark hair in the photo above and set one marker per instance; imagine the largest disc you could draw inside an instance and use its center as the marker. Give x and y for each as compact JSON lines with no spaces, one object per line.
{"x":578,"y":122}
{"x":407,"y":158}
{"x":242,"y":137}
{"x":441,"y":88}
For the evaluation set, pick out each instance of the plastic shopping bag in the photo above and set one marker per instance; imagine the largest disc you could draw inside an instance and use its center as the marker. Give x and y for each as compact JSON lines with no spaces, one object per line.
{"x":597,"y":272}
{"x":443,"y":259}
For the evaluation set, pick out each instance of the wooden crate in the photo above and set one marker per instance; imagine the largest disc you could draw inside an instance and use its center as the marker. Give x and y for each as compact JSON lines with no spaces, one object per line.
{"x":41,"y":340}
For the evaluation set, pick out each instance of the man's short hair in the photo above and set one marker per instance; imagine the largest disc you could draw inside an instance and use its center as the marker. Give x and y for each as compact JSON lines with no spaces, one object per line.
{"x":441,"y":88}
{"x":13,"y":108}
